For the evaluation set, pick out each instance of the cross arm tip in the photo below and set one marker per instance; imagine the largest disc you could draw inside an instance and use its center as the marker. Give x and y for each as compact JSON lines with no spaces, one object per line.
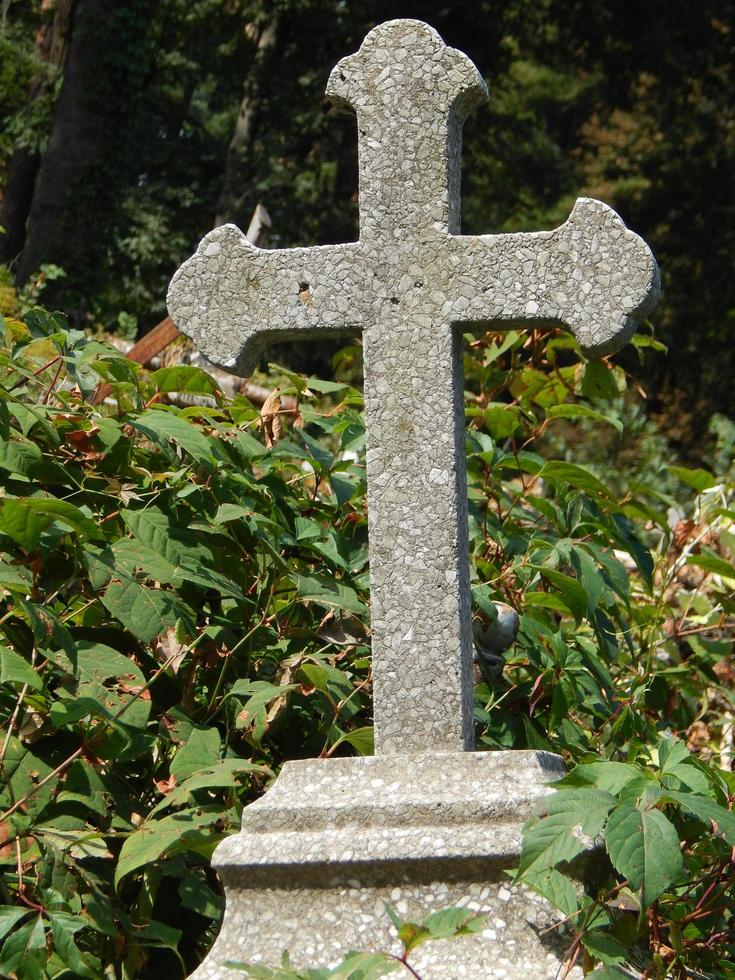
{"x":389,"y":49}
{"x":617,"y":280}
{"x":201,"y":303}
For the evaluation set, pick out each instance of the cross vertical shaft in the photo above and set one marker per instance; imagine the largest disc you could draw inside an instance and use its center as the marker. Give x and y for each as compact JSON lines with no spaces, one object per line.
{"x":419,"y":568}
{"x":409,"y":90}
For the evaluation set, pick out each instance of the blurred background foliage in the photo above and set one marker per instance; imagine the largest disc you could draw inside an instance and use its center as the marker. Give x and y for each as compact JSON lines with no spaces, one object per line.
{"x":128,"y":130}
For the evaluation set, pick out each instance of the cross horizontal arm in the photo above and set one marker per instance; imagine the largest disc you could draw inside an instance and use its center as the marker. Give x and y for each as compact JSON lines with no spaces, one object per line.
{"x":591,"y":274}
{"x":234,"y":299}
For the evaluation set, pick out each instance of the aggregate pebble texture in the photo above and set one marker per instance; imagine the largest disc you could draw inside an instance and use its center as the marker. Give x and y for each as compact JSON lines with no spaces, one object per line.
{"x":411,"y":285}
{"x":424,"y":824}
{"x":335,"y":839}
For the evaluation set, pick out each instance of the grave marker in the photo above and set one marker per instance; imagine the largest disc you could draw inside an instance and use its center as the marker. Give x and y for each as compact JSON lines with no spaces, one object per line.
{"x":411,"y":285}
{"x":423,"y":820}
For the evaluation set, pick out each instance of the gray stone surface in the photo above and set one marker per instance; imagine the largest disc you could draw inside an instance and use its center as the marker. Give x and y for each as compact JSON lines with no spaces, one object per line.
{"x":411,"y":285}
{"x":422,"y":825}
{"x":334,"y":839}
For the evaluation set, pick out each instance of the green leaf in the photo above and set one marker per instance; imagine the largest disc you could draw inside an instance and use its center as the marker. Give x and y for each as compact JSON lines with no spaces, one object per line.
{"x":201,"y":749}
{"x":644,"y":847}
{"x":28,"y":417}
{"x":257,"y":695}
{"x":146,"y":612}
{"x":631,"y":543}
{"x":316,"y":676}
{"x":325,"y":387}
{"x":556,"y":471}
{"x":308,"y":529}
{"x":501,"y":420}
{"x":547,"y":600}
{"x":49,"y":632}
{"x":10,"y":916}
{"x":555,"y":887}
{"x":24,"y":951}
{"x":443,"y":924}
{"x":550,"y":837}
{"x":249,"y":446}
{"x":162,"y":426}
{"x":317,"y":453}
{"x":605,"y":774}
{"x":343,"y":487}
{"x":187,"y":379}
{"x":361,"y":739}
{"x":698,"y":479}
{"x":158,"y":934}
{"x":329,"y":593}
{"x":22,"y":458}
{"x":164,"y":536}
{"x":112,"y":680}
{"x":679,"y":768}
{"x":454,"y":922}
{"x":712,"y":563}
{"x":221,"y":775}
{"x":231,"y":512}
{"x":21,"y":523}
{"x":175,"y":832}
{"x":15,"y":578}
{"x":604,"y":947}
{"x":721,"y":820}
{"x":299,"y":381}
{"x":22,"y":771}
{"x":79,"y":843}
{"x":330,"y":549}
{"x":364,"y":966}
{"x":15,"y":670}
{"x":606,"y":973}
{"x":598,"y":381}
{"x":588,"y":574}
{"x":128,"y":555}
{"x":196,"y":895}
{"x":208,"y":579}
{"x":84,"y":785}
{"x":24,"y":519}
{"x":567,"y":411}
{"x":497,"y":350}
{"x":572,"y":591}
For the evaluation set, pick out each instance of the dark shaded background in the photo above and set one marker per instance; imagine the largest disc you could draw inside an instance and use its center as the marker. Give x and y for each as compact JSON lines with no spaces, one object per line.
{"x":127,"y":130}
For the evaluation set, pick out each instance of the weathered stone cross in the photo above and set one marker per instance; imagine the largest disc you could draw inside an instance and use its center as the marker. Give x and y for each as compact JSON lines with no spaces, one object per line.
{"x":411,"y":285}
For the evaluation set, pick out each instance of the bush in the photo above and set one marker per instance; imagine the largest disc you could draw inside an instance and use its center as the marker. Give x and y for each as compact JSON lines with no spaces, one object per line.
{"x":184,"y":606}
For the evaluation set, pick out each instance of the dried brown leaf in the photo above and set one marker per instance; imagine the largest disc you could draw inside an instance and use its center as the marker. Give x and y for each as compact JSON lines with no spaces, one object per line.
{"x":166,"y":786}
{"x":270,"y":420}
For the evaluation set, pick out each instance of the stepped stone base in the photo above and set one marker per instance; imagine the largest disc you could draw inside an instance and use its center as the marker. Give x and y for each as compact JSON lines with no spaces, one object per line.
{"x":333,"y":840}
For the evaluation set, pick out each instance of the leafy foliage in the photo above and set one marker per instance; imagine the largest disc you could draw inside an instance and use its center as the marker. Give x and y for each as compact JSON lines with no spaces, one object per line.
{"x":183,"y":607}
{"x":669,"y":831}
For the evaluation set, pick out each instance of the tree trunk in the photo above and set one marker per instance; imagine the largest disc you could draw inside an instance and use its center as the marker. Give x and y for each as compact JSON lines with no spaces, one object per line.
{"x":75,"y":195}
{"x":231,"y":200}
{"x":52,"y":45}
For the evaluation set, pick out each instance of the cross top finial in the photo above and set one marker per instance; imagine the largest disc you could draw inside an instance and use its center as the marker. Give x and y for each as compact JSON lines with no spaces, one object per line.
{"x":411,"y":54}
{"x":411,"y":94}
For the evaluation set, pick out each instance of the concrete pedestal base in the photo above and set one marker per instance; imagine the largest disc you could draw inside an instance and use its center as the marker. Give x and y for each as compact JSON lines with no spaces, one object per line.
{"x":333,"y":840}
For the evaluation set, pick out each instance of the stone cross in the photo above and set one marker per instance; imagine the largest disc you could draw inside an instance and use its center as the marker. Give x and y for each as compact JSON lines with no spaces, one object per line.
{"x":411,"y":286}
